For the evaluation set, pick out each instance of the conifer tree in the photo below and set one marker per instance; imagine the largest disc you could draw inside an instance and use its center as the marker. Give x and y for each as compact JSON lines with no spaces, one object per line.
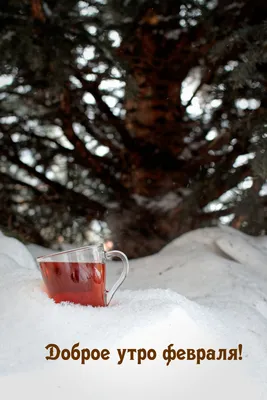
{"x":144,"y":118}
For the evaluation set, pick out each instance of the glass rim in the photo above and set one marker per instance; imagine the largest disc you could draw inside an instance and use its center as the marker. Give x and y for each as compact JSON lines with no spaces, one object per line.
{"x":70,"y":251}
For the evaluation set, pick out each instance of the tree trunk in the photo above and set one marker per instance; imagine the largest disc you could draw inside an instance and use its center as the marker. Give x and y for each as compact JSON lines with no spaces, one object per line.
{"x":140,"y":232}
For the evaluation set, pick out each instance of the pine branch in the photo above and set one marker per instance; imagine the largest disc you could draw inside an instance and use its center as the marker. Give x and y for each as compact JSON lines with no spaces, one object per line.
{"x":116,"y":122}
{"x":65,"y":193}
{"x":81,"y":153}
{"x":8,"y":179}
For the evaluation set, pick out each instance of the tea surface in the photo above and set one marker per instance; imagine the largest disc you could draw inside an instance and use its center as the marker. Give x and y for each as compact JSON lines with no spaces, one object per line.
{"x":76,"y":282}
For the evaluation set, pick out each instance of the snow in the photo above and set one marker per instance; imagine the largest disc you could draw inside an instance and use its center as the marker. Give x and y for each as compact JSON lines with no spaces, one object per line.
{"x":164,"y":203}
{"x":206,"y":289}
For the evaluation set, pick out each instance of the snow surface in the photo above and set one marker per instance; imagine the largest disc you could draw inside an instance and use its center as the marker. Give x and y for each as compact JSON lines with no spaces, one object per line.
{"x":206,"y":289}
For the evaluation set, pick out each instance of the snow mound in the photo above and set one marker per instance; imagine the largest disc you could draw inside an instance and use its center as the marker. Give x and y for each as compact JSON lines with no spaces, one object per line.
{"x":14,"y":249}
{"x":207,"y":289}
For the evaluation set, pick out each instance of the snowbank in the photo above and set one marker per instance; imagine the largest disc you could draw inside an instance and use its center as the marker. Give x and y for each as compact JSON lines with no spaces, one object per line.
{"x":207,"y":289}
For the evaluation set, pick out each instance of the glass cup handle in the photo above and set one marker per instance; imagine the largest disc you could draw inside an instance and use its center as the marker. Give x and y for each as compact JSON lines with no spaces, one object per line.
{"x":125,"y":271}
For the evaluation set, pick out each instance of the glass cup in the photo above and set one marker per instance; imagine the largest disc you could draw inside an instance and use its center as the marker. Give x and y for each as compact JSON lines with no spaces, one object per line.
{"x":79,"y":276}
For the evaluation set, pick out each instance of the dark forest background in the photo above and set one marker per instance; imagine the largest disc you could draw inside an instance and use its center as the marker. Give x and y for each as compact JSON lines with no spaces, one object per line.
{"x":132,"y":120}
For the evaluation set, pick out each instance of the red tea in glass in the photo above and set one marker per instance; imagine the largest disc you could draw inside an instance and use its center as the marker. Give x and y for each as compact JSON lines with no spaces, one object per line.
{"x":79,"y":276}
